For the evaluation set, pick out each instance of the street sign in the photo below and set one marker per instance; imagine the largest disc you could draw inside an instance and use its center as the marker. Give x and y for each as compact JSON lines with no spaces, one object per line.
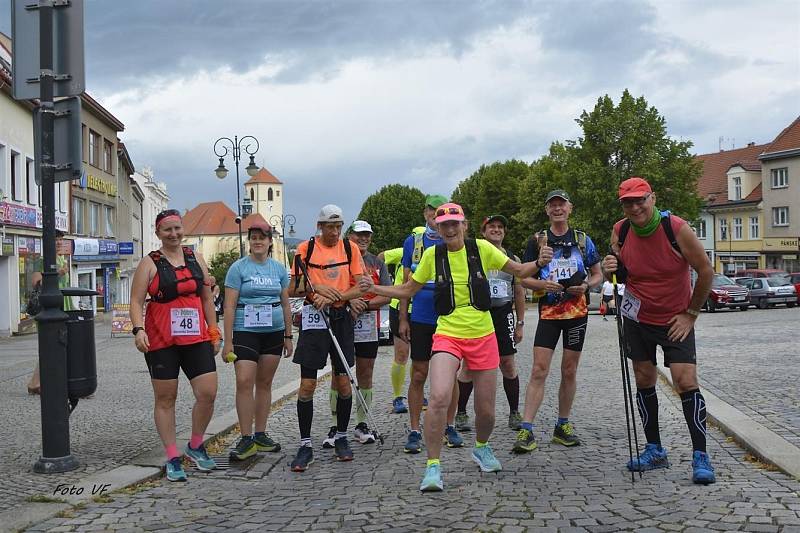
{"x":67,"y":137}
{"x":68,"y":56}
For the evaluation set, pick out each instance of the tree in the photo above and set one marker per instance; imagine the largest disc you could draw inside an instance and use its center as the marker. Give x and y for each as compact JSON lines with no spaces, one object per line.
{"x":220,"y":263}
{"x":629,"y":139}
{"x":393,"y":212}
{"x":494,"y":190}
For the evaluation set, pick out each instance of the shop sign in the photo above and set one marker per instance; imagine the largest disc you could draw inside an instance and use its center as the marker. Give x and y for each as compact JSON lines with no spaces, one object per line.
{"x":29,"y":217}
{"x":782,"y":243}
{"x":29,"y":245}
{"x":89,"y":181}
{"x":125,"y":248}
{"x":86,"y":247}
{"x":7,"y":246}
{"x":95,"y":250}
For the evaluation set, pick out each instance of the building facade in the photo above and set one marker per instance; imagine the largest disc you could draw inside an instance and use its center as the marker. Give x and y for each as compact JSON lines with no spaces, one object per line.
{"x":155,"y":200}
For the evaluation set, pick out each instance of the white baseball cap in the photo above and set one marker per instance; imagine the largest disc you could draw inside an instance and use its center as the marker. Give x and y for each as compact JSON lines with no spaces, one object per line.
{"x":330,"y":213}
{"x":360,"y":225}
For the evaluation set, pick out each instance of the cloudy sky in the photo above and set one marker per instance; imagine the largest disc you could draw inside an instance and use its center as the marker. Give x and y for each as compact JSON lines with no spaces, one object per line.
{"x":346,"y":96}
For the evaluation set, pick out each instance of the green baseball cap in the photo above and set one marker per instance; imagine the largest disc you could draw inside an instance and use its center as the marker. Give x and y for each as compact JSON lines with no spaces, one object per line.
{"x":435,"y":200}
{"x":558,"y":193}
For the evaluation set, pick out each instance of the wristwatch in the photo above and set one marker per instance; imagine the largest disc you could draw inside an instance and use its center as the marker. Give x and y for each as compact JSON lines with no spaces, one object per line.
{"x":520,"y":322}
{"x":136,"y":330}
{"x":693,"y":312}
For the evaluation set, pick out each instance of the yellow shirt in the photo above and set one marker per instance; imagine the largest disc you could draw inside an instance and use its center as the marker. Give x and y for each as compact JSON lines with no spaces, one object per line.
{"x":465,"y":322}
{"x":392,"y":259}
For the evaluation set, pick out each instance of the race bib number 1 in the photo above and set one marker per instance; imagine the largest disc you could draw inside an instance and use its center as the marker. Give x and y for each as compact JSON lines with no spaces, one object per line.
{"x":365,"y":327}
{"x":184,"y":322}
{"x":312,"y":318}
{"x":499,"y":288}
{"x":257,"y":316}
{"x":630,"y":306}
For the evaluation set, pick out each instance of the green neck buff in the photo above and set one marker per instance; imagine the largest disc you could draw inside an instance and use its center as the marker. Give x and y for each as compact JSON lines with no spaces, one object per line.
{"x":649,"y":228}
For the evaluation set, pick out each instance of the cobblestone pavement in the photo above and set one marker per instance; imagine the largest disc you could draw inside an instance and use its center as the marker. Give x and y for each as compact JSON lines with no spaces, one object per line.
{"x":552,"y":489}
{"x":105,"y":430}
{"x":751,"y":360}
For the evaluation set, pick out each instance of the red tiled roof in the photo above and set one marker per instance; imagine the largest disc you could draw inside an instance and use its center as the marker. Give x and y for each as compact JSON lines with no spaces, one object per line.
{"x":264,"y":176}
{"x":751,"y":165}
{"x":755,"y":195}
{"x":714,"y":180}
{"x":215,"y":218}
{"x":788,"y":139}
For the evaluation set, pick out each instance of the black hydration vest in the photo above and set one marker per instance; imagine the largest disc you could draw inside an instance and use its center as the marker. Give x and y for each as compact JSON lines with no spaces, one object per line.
{"x":168,"y":281}
{"x":444,"y":296}
{"x":666,"y":224}
{"x":298,"y":272}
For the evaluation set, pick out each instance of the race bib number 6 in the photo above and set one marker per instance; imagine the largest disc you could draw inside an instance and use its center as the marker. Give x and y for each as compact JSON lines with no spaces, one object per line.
{"x":312,"y":318}
{"x":499,"y":288}
{"x":184,"y":322}
{"x":630,"y":306}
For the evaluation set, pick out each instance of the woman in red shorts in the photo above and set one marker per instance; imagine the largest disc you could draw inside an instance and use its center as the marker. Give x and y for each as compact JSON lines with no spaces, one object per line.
{"x":180,"y":332}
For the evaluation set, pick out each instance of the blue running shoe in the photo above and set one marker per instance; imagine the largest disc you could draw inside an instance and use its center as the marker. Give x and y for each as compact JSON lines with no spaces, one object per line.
{"x":485,"y":458}
{"x":702,"y":471}
{"x":200,"y":458}
{"x":653,"y":456}
{"x":452,"y":438}
{"x":424,"y":404}
{"x":399,"y":405}
{"x":432,"y":482}
{"x":174,"y":470}
{"x":414,"y":442}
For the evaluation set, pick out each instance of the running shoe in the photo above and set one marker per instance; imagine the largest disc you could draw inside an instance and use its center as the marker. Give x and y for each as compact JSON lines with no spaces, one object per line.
{"x":462,"y":422}
{"x":414,"y":442}
{"x":653,"y":456}
{"x":514,"y":420}
{"x":702,"y":471}
{"x":399,"y":405}
{"x":565,"y":434}
{"x":265,"y":444}
{"x":328,"y":442}
{"x":343,"y":451}
{"x":525,"y":442}
{"x":363,"y":434}
{"x":200,"y":458}
{"x":485,"y":458}
{"x":432,"y":482}
{"x":424,"y":404}
{"x":304,"y":457}
{"x":245,"y":448}
{"x":174,"y":470}
{"x":452,"y":438}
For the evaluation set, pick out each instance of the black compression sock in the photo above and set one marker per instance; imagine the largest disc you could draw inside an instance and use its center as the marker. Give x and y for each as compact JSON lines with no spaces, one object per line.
{"x":305,"y":415}
{"x":464,"y":392}
{"x":343,"y":408}
{"x":694,"y":411}
{"x":647,"y":401}
{"x":511,"y":386}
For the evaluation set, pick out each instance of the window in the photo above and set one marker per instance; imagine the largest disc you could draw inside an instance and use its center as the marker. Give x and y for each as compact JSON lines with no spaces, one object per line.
{"x":94,"y":148}
{"x":737,"y":229}
{"x":252,"y":194}
{"x":723,"y":229}
{"x":108,"y":149}
{"x":754,"y":227}
{"x":83,"y":141}
{"x":14,"y":174}
{"x":30,"y":187}
{"x":700,"y":229}
{"x":77,"y":215}
{"x":109,"y":221}
{"x":269,"y":194}
{"x":780,"y":216}
{"x":779,"y":177}
{"x":94,"y":218}
{"x":737,"y":188}
{"x":277,"y":192}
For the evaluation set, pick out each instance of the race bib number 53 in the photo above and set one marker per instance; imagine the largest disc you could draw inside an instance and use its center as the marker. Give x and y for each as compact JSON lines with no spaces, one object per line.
{"x":184,"y":322}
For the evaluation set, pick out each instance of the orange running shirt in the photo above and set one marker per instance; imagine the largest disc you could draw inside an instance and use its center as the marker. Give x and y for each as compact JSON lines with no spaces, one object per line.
{"x":337,"y":277}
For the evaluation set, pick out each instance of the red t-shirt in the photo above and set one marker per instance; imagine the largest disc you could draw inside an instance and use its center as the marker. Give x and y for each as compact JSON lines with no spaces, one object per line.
{"x":166,"y":327}
{"x":657,"y":274}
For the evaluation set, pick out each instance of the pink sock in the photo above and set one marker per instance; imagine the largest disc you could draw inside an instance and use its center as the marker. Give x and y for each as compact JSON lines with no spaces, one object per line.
{"x":197,"y":441}
{"x":172,"y":451}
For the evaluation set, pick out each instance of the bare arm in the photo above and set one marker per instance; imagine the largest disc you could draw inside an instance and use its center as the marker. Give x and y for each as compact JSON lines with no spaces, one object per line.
{"x":286,"y":307}
{"x":205,"y":295}
{"x":229,"y":314}
{"x":141,"y":279}
{"x":402,"y":306}
{"x":519,"y":300}
{"x":693,"y":251}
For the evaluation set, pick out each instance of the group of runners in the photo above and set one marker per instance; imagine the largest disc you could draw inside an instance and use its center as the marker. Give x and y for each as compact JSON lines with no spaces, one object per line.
{"x":457,"y":309}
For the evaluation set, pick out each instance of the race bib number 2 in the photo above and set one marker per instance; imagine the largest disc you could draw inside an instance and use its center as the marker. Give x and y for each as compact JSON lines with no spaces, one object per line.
{"x":312,"y":318}
{"x":184,"y":322}
{"x":629,"y":308}
{"x":365,"y":327}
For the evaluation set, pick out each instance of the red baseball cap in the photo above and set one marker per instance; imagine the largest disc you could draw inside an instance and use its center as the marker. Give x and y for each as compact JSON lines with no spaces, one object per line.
{"x":263,"y":227}
{"x":634,"y":187}
{"x":449,"y":211}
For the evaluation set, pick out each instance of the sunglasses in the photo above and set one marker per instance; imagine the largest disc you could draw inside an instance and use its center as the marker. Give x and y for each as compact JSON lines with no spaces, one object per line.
{"x":448,"y":211}
{"x":630,"y":202}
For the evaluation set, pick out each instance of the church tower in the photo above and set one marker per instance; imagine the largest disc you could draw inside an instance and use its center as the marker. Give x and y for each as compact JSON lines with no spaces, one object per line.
{"x":264,"y":193}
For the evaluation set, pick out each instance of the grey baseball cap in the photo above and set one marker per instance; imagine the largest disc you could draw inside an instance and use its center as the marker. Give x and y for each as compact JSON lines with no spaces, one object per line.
{"x":330,"y":213}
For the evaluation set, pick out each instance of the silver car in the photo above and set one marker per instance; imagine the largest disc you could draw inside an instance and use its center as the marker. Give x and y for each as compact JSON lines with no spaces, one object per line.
{"x":767,"y":292}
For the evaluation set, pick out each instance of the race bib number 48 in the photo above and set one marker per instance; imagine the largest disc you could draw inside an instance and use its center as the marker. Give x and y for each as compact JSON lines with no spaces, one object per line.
{"x":184,"y":322}
{"x":312,"y":318}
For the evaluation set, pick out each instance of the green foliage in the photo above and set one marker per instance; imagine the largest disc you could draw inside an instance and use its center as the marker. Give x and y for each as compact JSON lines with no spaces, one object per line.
{"x":220,"y":263}
{"x":393,"y":212}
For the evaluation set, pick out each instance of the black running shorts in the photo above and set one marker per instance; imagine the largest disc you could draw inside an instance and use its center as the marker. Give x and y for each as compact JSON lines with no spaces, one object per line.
{"x":504,"y":325}
{"x":314,"y":346}
{"x":249,"y":346}
{"x":641,"y":341}
{"x":194,"y":359}
{"x":394,"y":321}
{"x":367,"y":350}
{"x":549,"y":331}
{"x":421,"y":341}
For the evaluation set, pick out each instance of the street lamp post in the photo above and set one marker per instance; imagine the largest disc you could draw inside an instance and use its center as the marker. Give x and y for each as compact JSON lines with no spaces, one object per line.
{"x":282,"y":221}
{"x":236,"y":146}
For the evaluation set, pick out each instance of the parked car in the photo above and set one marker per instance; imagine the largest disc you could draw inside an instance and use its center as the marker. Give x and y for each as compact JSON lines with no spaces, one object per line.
{"x":761,"y":273}
{"x":766,"y":292}
{"x":794,"y":277}
{"x":384,"y":334}
{"x":725,"y":293}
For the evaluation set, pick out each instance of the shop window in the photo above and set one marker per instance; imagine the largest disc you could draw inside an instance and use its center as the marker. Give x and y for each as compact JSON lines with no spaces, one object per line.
{"x":94,"y":218}
{"x":77,"y":216}
{"x":109,"y":221}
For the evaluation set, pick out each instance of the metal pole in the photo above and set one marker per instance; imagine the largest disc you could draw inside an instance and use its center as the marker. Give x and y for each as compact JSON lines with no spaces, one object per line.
{"x":56,"y":456}
{"x":236,"y":156}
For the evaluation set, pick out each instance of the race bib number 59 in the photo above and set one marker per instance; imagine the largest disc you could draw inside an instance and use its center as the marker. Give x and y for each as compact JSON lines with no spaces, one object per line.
{"x":184,"y":322}
{"x":312,"y":318}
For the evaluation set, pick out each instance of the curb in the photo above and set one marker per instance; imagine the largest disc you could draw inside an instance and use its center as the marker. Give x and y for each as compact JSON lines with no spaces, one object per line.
{"x":144,"y":467}
{"x":762,"y":442}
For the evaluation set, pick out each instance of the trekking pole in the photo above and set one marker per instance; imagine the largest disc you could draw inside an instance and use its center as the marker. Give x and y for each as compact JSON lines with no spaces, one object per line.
{"x":360,"y":397}
{"x":630,"y":421}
